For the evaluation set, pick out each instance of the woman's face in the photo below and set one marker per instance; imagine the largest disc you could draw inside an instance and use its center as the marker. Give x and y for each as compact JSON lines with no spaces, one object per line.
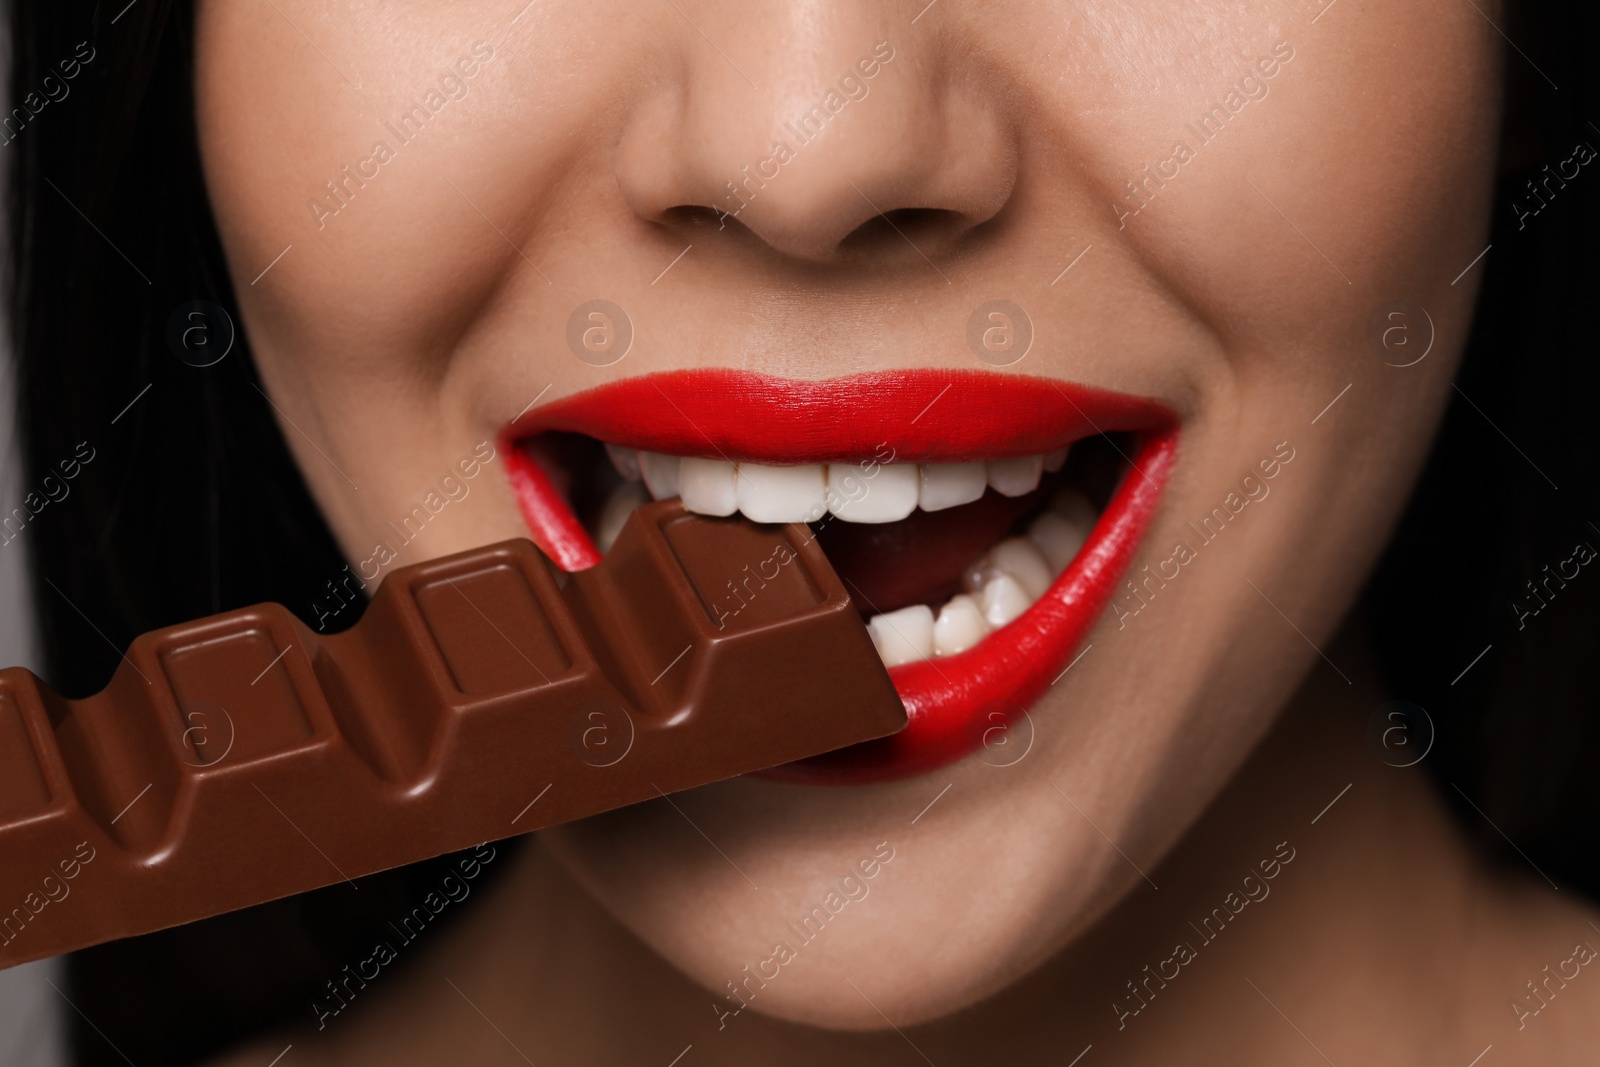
{"x":1247,"y":216}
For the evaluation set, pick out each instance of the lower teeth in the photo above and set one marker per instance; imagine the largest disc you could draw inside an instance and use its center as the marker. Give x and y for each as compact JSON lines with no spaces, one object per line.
{"x":999,"y":586}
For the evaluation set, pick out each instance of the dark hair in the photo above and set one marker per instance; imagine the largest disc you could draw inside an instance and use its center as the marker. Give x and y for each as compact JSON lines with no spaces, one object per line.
{"x":193,"y":505}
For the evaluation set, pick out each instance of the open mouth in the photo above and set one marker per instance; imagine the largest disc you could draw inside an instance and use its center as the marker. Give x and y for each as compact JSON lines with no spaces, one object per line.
{"x":980,"y":521}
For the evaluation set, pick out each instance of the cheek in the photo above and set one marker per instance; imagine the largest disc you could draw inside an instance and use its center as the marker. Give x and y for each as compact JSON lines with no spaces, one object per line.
{"x":308,"y":156}
{"x":1308,"y":207}
{"x":364,"y":300}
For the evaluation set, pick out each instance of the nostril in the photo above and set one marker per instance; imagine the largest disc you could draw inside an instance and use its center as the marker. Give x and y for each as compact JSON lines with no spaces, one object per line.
{"x":929,"y":230}
{"x":919,"y":225}
{"x":693,"y":218}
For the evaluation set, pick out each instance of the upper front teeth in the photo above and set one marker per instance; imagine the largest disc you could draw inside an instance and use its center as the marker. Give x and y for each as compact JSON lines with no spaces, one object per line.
{"x":660,"y":473}
{"x":773,"y":494}
{"x":711,"y":483}
{"x":855,"y":492}
{"x":1015,"y":476}
{"x":944,"y":485}
{"x":888,"y":495}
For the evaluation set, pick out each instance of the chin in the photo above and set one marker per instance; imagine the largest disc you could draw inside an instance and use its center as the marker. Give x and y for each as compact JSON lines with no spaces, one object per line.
{"x":832,"y":909}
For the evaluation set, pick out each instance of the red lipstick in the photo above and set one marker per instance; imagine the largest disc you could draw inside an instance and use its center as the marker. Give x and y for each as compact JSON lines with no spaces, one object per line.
{"x":926,"y":417}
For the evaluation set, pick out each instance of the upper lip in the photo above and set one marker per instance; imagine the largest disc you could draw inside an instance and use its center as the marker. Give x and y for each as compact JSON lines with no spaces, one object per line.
{"x":907,"y":416}
{"x":925,"y":416}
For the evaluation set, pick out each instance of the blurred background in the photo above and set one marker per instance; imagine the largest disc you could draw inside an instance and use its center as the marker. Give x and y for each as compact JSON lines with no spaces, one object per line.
{"x":30,"y":1035}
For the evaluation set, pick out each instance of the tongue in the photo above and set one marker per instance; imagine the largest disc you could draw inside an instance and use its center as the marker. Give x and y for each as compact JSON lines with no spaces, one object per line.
{"x":919,"y":559}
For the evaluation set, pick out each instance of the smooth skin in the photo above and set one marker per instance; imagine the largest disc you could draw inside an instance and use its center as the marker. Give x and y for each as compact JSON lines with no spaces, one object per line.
{"x":1194,"y":741}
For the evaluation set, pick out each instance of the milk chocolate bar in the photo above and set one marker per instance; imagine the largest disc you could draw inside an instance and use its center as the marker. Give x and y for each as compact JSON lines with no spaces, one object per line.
{"x":242,"y":757}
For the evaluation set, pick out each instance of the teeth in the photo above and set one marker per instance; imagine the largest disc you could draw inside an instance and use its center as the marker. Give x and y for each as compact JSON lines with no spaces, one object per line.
{"x":708,"y":486}
{"x":1003,"y":600}
{"x":888,"y":495}
{"x":1022,"y":560}
{"x":626,"y":460}
{"x":1016,"y":557}
{"x":1000,"y":586}
{"x":614,"y":513}
{"x":945,"y":485}
{"x":884,"y":492}
{"x":960,"y":626}
{"x":660,"y":474}
{"x":781,"y":494}
{"x":1058,"y":537}
{"x":1016,"y":475}
{"x":903,"y":636}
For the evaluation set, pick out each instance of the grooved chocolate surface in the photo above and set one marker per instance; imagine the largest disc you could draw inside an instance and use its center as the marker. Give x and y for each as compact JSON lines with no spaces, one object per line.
{"x":242,"y":757}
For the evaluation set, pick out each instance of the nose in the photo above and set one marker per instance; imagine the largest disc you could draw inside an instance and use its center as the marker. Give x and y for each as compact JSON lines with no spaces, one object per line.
{"x":826,"y":129}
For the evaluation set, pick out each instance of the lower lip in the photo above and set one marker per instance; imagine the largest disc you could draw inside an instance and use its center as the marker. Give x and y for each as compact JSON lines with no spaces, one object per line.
{"x":957,"y":704}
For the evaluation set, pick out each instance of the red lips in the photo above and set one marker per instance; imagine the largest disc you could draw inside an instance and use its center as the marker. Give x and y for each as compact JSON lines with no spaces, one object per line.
{"x":924,"y":416}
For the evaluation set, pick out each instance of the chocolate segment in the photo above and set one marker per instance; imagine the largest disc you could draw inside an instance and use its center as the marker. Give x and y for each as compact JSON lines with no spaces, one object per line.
{"x":241,"y":758}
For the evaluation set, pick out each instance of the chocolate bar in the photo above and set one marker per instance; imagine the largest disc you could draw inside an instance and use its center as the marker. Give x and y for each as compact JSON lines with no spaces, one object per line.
{"x":242,"y":757}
